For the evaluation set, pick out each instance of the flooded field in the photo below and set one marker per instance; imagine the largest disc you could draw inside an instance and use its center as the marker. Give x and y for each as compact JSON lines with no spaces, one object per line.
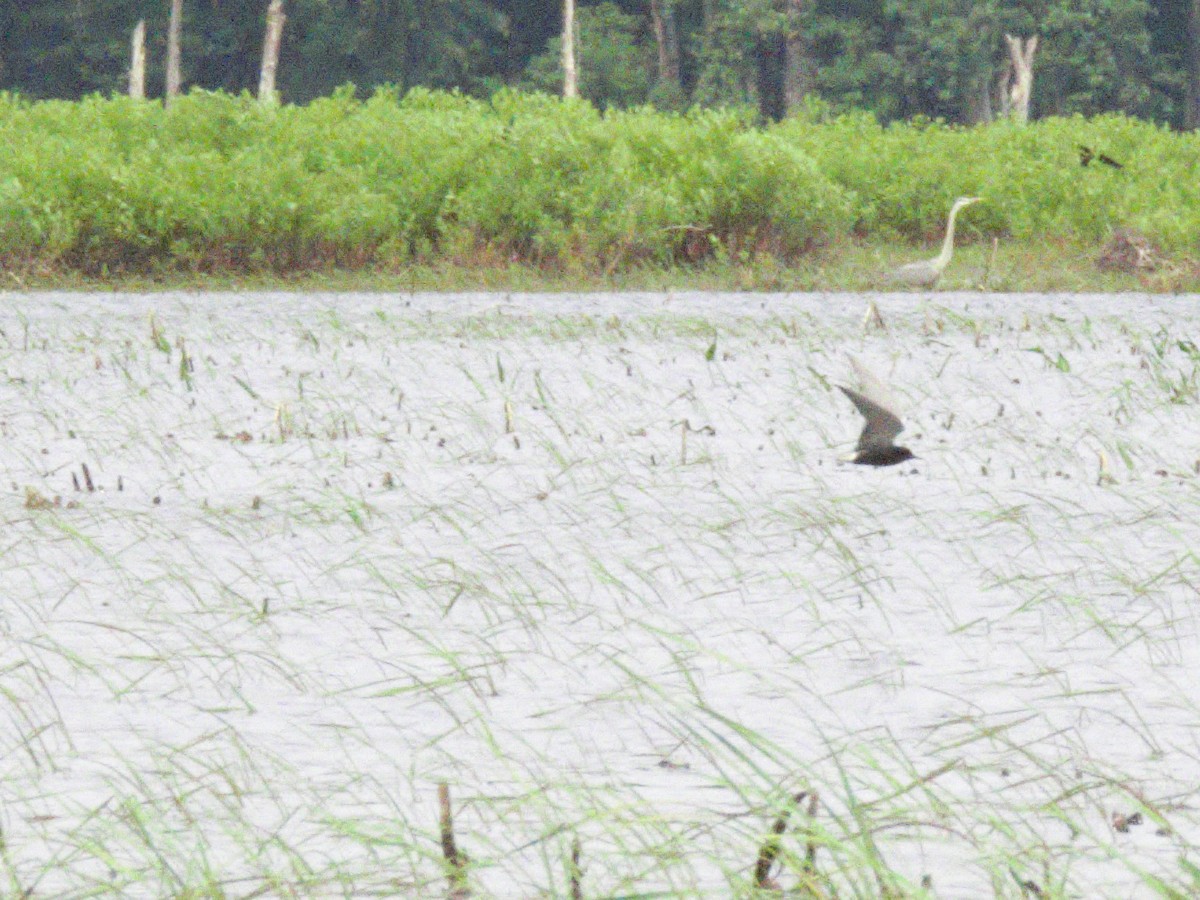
{"x":275,"y":566}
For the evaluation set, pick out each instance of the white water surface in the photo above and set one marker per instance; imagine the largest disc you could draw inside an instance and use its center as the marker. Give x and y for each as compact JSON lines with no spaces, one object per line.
{"x":317,"y":575}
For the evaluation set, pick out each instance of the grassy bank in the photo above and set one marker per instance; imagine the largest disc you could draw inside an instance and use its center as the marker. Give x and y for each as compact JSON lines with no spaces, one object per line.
{"x":853,"y":266}
{"x":449,"y":191}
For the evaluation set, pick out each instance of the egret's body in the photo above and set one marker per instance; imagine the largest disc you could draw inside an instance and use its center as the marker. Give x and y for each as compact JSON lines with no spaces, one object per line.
{"x":927,"y":272}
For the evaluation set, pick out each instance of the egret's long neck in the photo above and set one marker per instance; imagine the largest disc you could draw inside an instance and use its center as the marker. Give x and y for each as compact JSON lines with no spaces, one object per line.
{"x":943,"y":258}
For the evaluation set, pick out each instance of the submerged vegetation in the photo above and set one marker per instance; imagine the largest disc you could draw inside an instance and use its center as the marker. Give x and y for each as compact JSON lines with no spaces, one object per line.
{"x":354,"y":596}
{"x":217,"y":184}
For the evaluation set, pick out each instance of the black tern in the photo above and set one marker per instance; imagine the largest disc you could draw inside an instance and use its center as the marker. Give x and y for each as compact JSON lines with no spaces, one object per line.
{"x":875,"y":444}
{"x":1086,"y":155}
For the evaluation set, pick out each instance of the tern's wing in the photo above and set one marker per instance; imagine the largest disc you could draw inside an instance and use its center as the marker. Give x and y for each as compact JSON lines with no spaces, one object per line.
{"x":882,"y":424}
{"x":871,"y":387}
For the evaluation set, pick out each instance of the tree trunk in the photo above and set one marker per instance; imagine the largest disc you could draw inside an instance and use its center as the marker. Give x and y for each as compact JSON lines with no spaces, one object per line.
{"x":174,"y":31}
{"x":1020,"y":88}
{"x":979,"y":100}
{"x":770,"y":55}
{"x":137,"y":63}
{"x":1191,"y":112}
{"x":270,"y":57}
{"x":798,"y":69}
{"x":570,"y":78}
{"x":666,"y":39}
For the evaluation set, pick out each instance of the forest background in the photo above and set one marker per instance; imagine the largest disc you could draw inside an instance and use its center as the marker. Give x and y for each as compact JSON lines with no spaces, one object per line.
{"x":794,"y":144}
{"x":897,"y":58}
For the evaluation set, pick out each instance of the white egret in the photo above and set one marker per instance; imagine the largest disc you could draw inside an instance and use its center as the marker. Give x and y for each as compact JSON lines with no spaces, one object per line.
{"x":927,"y":272}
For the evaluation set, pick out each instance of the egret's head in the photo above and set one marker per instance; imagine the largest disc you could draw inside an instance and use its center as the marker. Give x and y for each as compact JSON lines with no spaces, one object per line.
{"x":966,"y":201}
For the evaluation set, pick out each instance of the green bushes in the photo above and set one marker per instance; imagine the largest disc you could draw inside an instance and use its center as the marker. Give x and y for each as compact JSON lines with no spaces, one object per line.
{"x":218,"y":182}
{"x":905,"y":176}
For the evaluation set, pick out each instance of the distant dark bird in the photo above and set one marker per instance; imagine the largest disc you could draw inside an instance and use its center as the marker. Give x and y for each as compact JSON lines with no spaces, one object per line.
{"x":1086,"y":155}
{"x":875,"y":447}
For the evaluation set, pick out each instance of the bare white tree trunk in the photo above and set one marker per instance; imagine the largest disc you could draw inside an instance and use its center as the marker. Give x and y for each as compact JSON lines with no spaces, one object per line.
{"x":137,"y":63}
{"x":570,"y":75}
{"x":660,"y":38}
{"x":1020,"y":87}
{"x":798,"y":71}
{"x":270,"y":60}
{"x":174,"y":31}
{"x":663,"y":22}
{"x":979,"y":101}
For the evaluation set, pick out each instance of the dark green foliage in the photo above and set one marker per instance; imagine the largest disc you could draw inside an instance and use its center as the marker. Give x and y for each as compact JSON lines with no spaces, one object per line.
{"x":615,"y":59}
{"x":897,"y":58}
{"x":945,"y":58}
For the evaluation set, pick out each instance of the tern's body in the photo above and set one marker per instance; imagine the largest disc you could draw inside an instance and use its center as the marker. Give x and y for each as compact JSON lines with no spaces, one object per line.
{"x":876,"y":445}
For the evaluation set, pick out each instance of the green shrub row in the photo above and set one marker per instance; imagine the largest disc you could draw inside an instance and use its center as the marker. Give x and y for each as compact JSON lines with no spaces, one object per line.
{"x":219,"y":182}
{"x":905,"y":176}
